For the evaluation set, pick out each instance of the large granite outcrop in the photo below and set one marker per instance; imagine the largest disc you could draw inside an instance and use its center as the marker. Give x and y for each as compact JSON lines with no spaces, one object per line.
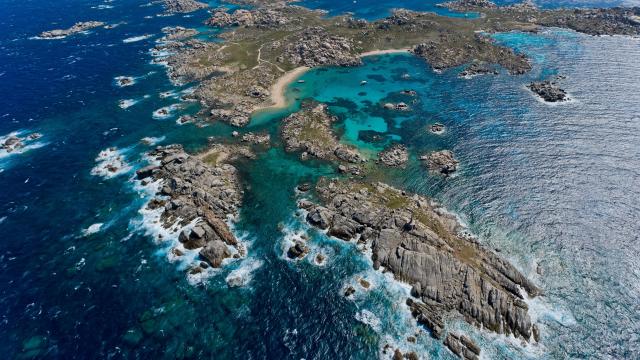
{"x":182,"y":6}
{"x":262,"y":17}
{"x":445,"y":53}
{"x":426,"y":247}
{"x":316,"y":47}
{"x":309,"y":131}
{"x":203,"y":188}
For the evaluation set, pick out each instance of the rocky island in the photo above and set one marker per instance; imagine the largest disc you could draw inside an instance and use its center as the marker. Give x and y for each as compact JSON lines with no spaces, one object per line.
{"x":204,"y":189}
{"x":76,"y":28}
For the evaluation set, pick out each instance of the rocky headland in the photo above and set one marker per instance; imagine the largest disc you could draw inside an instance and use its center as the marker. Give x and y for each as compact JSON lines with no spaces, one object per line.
{"x":204,"y":189}
{"x":426,"y":247}
{"x":76,"y":28}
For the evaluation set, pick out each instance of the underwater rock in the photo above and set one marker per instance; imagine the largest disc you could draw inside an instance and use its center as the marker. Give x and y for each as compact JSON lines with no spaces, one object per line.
{"x":424,"y":246}
{"x":441,"y":161}
{"x":258,"y":139}
{"x":548,"y":90}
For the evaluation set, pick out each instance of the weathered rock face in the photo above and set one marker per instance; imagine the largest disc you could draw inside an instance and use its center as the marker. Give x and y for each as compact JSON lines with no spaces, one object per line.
{"x":477,"y":68}
{"x":441,"y":161}
{"x":309,"y":131}
{"x":465,"y":5}
{"x":183,"y":6}
{"x":316,"y":47}
{"x":549,"y":91}
{"x":462,"y":346}
{"x":76,"y":28}
{"x":423,"y":245}
{"x":197,"y":187}
{"x":395,"y":155}
{"x":257,"y":17}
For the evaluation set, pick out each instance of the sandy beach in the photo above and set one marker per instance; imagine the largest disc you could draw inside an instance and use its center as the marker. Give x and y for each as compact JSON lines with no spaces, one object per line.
{"x":278,"y":98}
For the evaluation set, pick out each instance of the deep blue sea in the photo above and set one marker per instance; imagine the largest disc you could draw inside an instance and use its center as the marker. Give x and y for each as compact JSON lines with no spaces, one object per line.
{"x":553,"y":188}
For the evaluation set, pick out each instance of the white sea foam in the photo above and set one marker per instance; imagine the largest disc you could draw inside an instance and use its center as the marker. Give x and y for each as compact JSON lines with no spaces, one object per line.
{"x":369,"y":318}
{"x":127,"y":103}
{"x":137,"y":38}
{"x":92,"y":229}
{"x":123,"y":81}
{"x":26,"y":141}
{"x":166,"y":112}
{"x":243,"y":275}
{"x":151,"y":141}
{"x":110,"y":163}
{"x":102,"y":7}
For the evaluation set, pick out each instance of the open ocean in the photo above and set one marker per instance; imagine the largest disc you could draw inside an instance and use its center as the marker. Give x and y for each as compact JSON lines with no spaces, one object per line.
{"x":553,"y":188}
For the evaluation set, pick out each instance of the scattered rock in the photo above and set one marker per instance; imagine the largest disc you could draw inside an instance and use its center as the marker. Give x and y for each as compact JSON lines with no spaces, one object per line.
{"x":549,"y":91}
{"x":349,"y":291}
{"x":437,"y":128}
{"x":298,"y":251}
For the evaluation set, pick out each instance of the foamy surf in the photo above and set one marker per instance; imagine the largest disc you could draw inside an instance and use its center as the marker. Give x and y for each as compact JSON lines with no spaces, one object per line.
{"x":110,"y":163}
{"x":137,"y":38}
{"x":94,"y":228}
{"x":243,"y":274}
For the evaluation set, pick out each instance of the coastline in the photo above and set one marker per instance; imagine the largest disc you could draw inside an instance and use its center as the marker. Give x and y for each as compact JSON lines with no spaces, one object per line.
{"x":278,"y":98}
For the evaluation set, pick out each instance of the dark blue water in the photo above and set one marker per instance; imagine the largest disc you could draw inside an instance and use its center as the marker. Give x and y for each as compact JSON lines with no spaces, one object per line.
{"x":373,"y":9}
{"x":81,"y":275}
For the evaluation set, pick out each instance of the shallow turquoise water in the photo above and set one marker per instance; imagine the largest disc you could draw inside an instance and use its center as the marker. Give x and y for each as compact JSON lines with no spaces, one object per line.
{"x":545,"y":185}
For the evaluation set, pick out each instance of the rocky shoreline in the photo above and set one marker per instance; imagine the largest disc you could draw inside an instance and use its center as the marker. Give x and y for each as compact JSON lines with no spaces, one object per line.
{"x":427,"y":248}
